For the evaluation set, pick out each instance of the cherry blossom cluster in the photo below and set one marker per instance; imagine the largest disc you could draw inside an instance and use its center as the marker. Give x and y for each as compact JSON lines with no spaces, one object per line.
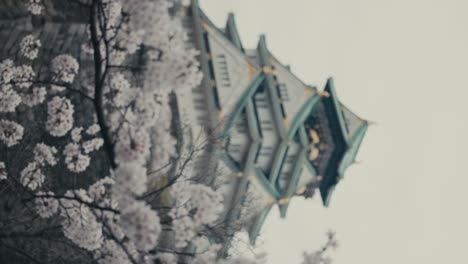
{"x":65,"y":68}
{"x":59,"y":116}
{"x":29,"y":47}
{"x":3,"y":172}
{"x":32,"y":176}
{"x":79,"y":211}
{"x":196,"y":205}
{"x":7,"y":71}
{"x":127,"y":40}
{"x":138,"y":221}
{"x":206,"y":252}
{"x":80,"y":224}
{"x":131,"y":178}
{"x":132,"y":145}
{"x":9,"y":98}
{"x":35,"y":7}
{"x":141,"y":224}
{"x":46,"y":204}
{"x":111,"y":253}
{"x":10,"y":132}
{"x":16,"y":86}
{"x":36,"y":96}
{"x":120,"y":90}
{"x":112,"y":44}
{"x":77,"y":152}
{"x":173,"y":63}
{"x":45,"y":155}
{"x":163,"y":143}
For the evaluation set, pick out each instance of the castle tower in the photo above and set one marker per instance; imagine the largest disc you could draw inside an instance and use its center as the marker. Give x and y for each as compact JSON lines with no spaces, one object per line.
{"x":279,"y":137}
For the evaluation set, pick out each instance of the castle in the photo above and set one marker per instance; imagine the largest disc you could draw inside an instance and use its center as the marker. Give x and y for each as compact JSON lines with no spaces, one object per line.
{"x":278,"y":137}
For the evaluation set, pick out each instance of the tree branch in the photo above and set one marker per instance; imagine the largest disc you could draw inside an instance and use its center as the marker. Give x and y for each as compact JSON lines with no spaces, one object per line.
{"x":99,"y":77}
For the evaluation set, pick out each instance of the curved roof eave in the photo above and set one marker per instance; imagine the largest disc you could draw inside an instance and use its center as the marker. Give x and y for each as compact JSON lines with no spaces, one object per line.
{"x":326,"y":196}
{"x":266,"y":185}
{"x":254,"y":230}
{"x":330,"y":88}
{"x":303,"y":113}
{"x":346,"y":161}
{"x":352,"y":151}
{"x":241,"y":103}
{"x":232,"y":32}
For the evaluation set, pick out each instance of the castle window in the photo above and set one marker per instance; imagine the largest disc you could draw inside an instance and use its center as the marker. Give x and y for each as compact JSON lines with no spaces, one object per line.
{"x":221,"y":65}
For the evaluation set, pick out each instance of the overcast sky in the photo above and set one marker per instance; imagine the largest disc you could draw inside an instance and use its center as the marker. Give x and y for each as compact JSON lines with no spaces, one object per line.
{"x":404,"y":65}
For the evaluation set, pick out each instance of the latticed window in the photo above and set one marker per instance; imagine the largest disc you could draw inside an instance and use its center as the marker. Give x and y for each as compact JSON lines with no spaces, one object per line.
{"x":221,"y":65}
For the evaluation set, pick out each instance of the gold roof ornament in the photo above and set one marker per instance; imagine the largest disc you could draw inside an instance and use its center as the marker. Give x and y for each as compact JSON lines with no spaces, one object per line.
{"x":314,"y":152}
{"x":270,"y":202}
{"x":283,"y":200}
{"x":268,"y":70}
{"x":286,"y":122}
{"x":301,"y":190}
{"x":314,"y":136}
{"x":308,"y":91}
{"x":324,"y":94}
{"x":253,"y":70}
{"x":204,"y":25}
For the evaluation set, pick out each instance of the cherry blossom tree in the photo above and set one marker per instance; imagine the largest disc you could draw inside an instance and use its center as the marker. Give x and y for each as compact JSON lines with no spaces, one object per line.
{"x":90,"y":169}
{"x":80,"y":141}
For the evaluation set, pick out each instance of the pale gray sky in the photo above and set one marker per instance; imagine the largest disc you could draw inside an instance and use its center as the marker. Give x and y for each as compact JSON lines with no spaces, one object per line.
{"x":403,"y":64}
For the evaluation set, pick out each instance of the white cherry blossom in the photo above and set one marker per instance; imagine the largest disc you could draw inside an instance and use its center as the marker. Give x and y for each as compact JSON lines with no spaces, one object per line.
{"x":92,"y":145}
{"x":120,"y":90}
{"x":206,"y":252}
{"x":29,"y":46}
{"x":23,"y":76}
{"x":141,"y":225}
{"x":132,"y":145}
{"x":46,"y":204}
{"x":34,"y":97}
{"x":6,"y":71}
{"x":3,"y":172}
{"x":131,"y":178}
{"x":76,"y":161}
{"x":9,"y":98}
{"x":65,"y":68}
{"x":76,"y":134}
{"x":10,"y":132}
{"x":111,"y":253}
{"x":32,"y":176}
{"x":35,"y":7}
{"x":93,"y":129}
{"x":59,"y":116}
{"x":44,"y":154}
